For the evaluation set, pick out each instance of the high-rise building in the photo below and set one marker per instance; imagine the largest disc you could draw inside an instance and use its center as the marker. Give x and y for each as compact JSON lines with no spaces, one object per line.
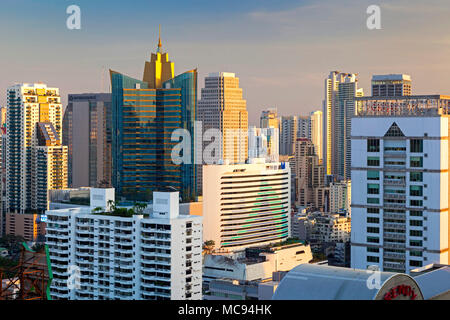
{"x":246,"y":205}
{"x":222,"y":107}
{"x":269,"y":118}
{"x":155,"y":254}
{"x":400,"y":182}
{"x":391,"y":85}
{"x":145,"y":115}
{"x":87,"y":131}
{"x":263,"y":143}
{"x":340,"y":197}
{"x":317,"y":132}
{"x":340,"y":92}
{"x":304,"y":127}
{"x":49,"y":165}
{"x":288,"y":135}
{"x":33,"y":135}
{"x":311,"y":189}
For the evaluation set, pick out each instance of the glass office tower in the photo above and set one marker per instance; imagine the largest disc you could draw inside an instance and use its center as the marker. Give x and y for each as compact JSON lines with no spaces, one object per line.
{"x":144,"y":119}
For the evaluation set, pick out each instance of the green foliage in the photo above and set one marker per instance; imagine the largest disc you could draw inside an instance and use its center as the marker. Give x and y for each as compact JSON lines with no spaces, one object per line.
{"x":115,"y":211}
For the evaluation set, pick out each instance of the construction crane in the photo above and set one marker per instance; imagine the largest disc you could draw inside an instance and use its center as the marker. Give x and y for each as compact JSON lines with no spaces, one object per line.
{"x":30,"y":279}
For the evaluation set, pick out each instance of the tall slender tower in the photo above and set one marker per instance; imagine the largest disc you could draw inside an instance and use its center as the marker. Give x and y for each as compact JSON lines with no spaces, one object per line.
{"x":222,"y":107}
{"x":338,"y":108}
{"x":317,"y":132}
{"x":30,"y":105}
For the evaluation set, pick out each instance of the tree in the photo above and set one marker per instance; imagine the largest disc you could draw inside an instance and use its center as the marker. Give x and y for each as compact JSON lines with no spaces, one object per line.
{"x":139,"y":207}
{"x":97,"y":210}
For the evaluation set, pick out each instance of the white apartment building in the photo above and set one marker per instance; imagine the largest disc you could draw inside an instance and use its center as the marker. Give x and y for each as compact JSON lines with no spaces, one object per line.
{"x":340,"y":197}
{"x":146,"y":256}
{"x":247,"y":204}
{"x":400,"y":182}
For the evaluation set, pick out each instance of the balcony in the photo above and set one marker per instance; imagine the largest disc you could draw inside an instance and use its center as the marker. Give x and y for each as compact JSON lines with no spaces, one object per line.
{"x":398,"y":226}
{"x":394,"y":255}
{"x":393,"y":265}
{"x":395,"y":236}
{"x":394,"y":182}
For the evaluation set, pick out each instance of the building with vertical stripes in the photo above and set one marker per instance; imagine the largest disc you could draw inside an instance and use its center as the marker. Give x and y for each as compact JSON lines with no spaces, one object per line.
{"x":144,"y":116}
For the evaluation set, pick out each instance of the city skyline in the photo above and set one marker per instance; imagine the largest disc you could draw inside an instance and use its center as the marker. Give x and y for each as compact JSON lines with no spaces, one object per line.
{"x":288,"y":47}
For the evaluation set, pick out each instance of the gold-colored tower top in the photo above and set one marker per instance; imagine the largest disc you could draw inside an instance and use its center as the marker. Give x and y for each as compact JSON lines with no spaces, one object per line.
{"x":159,"y":69}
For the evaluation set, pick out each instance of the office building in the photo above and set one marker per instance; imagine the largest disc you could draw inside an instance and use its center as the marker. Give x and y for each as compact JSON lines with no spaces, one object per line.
{"x":87,"y":131}
{"x":304,"y":127}
{"x":145,"y":115}
{"x":223,"y":108}
{"x":400,"y":182}
{"x":246,"y":205}
{"x":310,"y":187}
{"x":33,"y":135}
{"x":288,"y":135}
{"x":269,"y":118}
{"x":339,"y":106}
{"x":263,"y":143}
{"x":391,"y":85}
{"x":149,"y":255}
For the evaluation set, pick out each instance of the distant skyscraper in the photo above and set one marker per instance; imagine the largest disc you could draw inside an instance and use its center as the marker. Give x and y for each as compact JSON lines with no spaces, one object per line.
{"x":310,"y":184}
{"x":304,"y":127}
{"x":288,"y":134}
{"x":317,"y":132}
{"x":263,"y":143}
{"x":222,"y":107}
{"x":33,"y":144}
{"x":87,"y":131}
{"x":391,"y":85}
{"x":269,"y":118}
{"x":145,"y":114}
{"x":340,"y":92}
{"x":400,"y":182}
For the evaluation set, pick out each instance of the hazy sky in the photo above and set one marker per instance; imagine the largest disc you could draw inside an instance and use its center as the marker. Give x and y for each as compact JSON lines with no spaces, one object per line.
{"x":281,"y":50}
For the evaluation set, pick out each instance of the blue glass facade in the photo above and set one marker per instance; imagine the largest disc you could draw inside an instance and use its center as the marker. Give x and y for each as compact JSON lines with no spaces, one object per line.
{"x":143,"y":122}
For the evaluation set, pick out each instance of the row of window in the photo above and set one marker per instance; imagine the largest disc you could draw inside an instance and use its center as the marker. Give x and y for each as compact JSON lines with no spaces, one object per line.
{"x":415,"y":162}
{"x":415,"y":145}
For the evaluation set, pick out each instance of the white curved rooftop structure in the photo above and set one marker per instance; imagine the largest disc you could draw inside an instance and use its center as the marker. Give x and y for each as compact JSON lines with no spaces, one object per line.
{"x":319,"y":282}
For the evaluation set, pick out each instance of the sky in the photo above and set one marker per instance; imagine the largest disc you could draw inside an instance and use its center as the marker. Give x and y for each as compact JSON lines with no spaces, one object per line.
{"x":281,"y":50}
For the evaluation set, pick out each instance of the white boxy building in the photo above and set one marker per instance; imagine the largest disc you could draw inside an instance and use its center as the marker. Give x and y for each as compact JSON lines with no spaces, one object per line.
{"x":246,"y":205}
{"x":149,"y":255}
{"x":400,"y":182}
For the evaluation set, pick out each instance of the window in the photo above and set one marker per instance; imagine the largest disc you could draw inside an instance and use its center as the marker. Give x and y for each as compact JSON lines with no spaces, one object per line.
{"x":373,"y":230}
{"x":416,"y":162}
{"x":372,"y":249}
{"x":415,"y":213}
{"x":373,"y":161}
{"x":415,"y":243}
{"x":373,"y":200}
{"x":415,"y":253}
{"x":416,"y":191}
{"x":373,"y":210}
{"x":373,"y":188}
{"x":373,"y":259}
{"x":373,"y":239}
{"x":416,"y":176}
{"x":373,"y":220}
{"x":415,"y":223}
{"x":415,"y":233}
{"x":373,"y":175}
{"x":416,"y":203}
{"x":416,"y":145}
{"x":414,"y":263}
{"x":373,"y":145}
